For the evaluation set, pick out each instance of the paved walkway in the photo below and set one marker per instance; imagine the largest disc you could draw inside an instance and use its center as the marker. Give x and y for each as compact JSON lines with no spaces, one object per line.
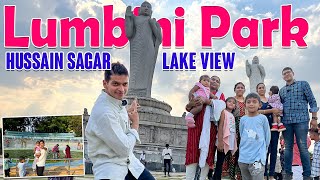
{"x":157,"y":175}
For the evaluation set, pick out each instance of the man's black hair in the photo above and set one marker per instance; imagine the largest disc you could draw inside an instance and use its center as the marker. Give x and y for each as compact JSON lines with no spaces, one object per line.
{"x":116,"y":69}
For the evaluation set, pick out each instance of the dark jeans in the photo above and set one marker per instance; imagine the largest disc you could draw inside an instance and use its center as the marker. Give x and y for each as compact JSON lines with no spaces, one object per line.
{"x":272,"y":150}
{"x":219,"y":164}
{"x":165,"y":163}
{"x":39,"y":170}
{"x":7,"y":172}
{"x":316,"y":178}
{"x":300,"y":130}
{"x":146,"y":175}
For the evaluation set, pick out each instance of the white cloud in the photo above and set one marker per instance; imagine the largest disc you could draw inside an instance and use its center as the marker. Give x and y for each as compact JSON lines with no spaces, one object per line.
{"x":42,"y":96}
{"x":269,"y":15}
{"x":248,"y":8}
{"x":91,"y":7}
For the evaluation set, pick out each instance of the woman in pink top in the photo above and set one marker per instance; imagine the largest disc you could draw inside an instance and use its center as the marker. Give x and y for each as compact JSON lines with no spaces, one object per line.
{"x":227,"y":141}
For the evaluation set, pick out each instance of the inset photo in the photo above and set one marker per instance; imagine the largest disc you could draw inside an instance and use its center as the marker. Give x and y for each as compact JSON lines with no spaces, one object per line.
{"x":43,"y":146}
{"x":1,"y":156}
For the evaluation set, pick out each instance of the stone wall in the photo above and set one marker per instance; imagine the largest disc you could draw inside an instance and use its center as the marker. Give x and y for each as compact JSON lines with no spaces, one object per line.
{"x":157,"y":128}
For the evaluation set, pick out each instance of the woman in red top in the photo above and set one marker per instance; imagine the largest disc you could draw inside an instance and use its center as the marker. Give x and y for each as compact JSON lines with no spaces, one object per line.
{"x":193,"y":152}
{"x":68,"y":153}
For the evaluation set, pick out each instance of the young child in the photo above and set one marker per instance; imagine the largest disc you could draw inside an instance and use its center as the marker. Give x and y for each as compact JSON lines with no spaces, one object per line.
{"x":6,"y":166}
{"x":37,"y":148}
{"x":36,"y":155}
{"x":22,"y":166}
{"x":255,"y":139}
{"x":274,"y":101}
{"x":202,"y":88}
{"x":227,"y":142}
{"x":315,"y":166}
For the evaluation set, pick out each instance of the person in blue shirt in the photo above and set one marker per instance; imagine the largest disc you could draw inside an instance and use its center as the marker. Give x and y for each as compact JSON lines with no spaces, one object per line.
{"x":255,"y":138}
{"x":6,"y":165}
{"x":22,"y":166}
{"x":295,"y":97}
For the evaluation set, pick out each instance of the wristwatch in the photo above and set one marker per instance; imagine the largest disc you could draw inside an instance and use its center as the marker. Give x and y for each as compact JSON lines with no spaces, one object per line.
{"x":314,"y":118}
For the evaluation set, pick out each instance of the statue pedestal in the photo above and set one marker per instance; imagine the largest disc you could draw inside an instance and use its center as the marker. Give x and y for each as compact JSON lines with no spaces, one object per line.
{"x":151,"y":105}
{"x":157,"y":128}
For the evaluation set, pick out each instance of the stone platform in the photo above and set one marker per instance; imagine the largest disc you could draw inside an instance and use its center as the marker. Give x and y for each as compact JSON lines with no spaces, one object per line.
{"x":157,"y":128}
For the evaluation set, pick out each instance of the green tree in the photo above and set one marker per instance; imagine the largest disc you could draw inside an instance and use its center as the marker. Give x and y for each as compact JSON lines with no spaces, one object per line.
{"x":15,"y":124}
{"x":75,"y":124}
{"x":45,"y":124}
{"x":51,"y":124}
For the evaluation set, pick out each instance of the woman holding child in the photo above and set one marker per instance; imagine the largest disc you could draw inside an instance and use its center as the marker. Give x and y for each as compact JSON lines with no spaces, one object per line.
{"x":194,"y":133}
{"x":268,"y":111}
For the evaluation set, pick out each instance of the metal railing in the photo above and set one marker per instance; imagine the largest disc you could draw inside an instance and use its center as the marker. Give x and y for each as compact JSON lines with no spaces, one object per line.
{"x":42,"y":135}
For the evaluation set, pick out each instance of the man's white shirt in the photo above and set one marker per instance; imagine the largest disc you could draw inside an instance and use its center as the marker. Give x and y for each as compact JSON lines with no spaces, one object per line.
{"x":43,"y":157}
{"x":167,"y":151}
{"x":143,"y":157}
{"x":111,"y":140}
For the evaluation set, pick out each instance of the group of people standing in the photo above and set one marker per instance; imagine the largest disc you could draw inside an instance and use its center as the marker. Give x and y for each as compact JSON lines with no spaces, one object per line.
{"x":244,"y":137}
{"x":40,"y":152}
{"x":241,"y":132}
{"x":56,"y":152}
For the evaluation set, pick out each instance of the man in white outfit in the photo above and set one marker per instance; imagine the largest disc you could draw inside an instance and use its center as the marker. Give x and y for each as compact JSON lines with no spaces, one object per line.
{"x":167,"y":157}
{"x":143,"y":158}
{"x":110,"y":136}
{"x":42,"y":159}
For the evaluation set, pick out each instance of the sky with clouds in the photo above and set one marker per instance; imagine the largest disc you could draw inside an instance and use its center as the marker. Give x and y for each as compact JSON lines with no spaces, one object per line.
{"x":64,"y":92}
